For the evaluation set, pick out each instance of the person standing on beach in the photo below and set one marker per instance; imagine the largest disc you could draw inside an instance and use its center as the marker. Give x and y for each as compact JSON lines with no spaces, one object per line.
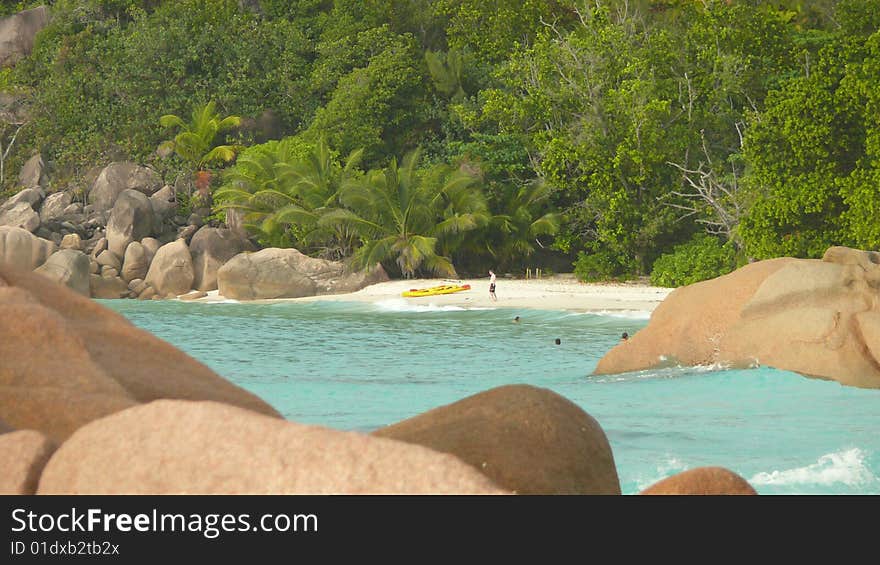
{"x":492,"y":286}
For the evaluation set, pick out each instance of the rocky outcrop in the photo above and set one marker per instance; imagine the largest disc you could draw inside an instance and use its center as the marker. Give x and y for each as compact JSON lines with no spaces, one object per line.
{"x":30,"y":196}
{"x":131,"y":219}
{"x":151,"y":246}
{"x":287,"y":273}
{"x":68,"y":267}
{"x":135,"y":264}
{"x":171,"y":271}
{"x":17,"y":33}
{"x":109,"y":287}
{"x":67,"y":360}
{"x":33,"y":173}
{"x":702,"y":481}
{"x":108,"y":259}
{"x":55,"y":206}
{"x":817,"y":318}
{"x":175,"y":447}
{"x":24,"y":454}
{"x":20,"y":216}
{"x":72,"y":241}
{"x":526,"y":439}
{"x":19,"y":210}
{"x":118,"y":177}
{"x":21,"y":249}
{"x":163,"y":203}
{"x":211,"y":248}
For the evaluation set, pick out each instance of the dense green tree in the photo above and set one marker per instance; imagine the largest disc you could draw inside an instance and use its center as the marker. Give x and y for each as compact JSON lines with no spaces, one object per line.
{"x":495,"y":28}
{"x":375,"y":107}
{"x":644,"y":123}
{"x":812,"y":151}
{"x":101,"y":85}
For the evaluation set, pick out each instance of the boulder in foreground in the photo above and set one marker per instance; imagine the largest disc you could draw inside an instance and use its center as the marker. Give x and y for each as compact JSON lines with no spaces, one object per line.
{"x":702,"y":480}
{"x":528,"y":440}
{"x":24,"y":453}
{"x":177,"y":447}
{"x":817,"y":318}
{"x":65,"y":360}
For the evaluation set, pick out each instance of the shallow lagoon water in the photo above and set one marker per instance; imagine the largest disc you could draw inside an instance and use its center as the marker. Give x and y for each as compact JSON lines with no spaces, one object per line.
{"x":360,"y":366}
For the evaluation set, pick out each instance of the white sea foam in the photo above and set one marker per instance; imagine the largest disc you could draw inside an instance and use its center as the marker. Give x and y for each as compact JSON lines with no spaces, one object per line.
{"x":627,"y":314}
{"x":401,"y":305}
{"x":671,"y":466}
{"x":846,"y":467}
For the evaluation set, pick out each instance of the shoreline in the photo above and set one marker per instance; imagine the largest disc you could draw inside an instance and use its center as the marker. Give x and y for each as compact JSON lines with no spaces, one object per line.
{"x":558,"y":292}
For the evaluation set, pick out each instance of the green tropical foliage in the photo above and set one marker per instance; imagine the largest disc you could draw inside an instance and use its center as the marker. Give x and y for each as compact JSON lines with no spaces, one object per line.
{"x":524,"y":217}
{"x":702,"y":258}
{"x":284,"y":188}
{"x":195,"y":142}
{"x":401,"y":217}
{"x":616,"y":138}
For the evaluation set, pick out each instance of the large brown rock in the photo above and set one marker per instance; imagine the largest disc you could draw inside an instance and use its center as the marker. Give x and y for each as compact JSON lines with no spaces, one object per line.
{"x":23,"y":454}
{"x":68,"y":267}
{"x":702,"y":481}
{"x":33,"y":173}
{"x":151,"y":246}
{"x":164,"y":205}
{"x":54,"y":206}
{"x":176,"y":447}
{"x":526,"y":439}
{"x":817,"y":318}
{"x":21,"y":249}
{"x":135,"y":264}
{"x":211,"y":248}
{"x":20,"y":216}
{"x":67,"y":360}
{"x":171,"y":270}
{"x":287,"y":273}
{"x":107,"y":287}
{"x":118,"y":177}
{"x":31,"y":196}
{"x":131,"y":219}
{"x":17,"y":33}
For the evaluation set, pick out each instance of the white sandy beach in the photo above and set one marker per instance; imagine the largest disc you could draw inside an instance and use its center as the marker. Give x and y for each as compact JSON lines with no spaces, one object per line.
{"x":559,"y":292}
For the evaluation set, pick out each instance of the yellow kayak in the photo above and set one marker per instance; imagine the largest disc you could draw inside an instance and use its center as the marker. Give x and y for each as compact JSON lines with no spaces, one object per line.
{"x":434,"y":290}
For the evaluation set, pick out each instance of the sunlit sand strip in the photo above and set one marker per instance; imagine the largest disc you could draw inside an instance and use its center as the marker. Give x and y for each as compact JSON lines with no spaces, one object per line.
{"x":560,"y":292}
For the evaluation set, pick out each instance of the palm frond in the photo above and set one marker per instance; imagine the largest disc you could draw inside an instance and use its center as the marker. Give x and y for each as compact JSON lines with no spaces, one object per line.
{"x":169,"y":120}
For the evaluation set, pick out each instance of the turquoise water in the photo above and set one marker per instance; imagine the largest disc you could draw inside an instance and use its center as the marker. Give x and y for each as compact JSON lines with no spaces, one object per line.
{"x":357,"y":366}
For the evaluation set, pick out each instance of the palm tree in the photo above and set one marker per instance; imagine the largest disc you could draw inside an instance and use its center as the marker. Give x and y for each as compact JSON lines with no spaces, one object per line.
{"x":524,"y":218}
{"x":401,"y":216}
{"x":194,"y":144}
{"x":284,"y":193}
{"x":446,"y":70}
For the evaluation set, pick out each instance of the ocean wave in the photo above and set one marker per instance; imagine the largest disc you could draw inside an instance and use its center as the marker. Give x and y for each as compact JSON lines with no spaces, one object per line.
{"x":401,"y":305}
{"x":672,"y":371}
{"x":848,"y":467}
{"x":667,"y":468}
{"x":627,"y":314}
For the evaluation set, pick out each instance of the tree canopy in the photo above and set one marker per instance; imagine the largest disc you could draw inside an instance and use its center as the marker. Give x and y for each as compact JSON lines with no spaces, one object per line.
{"x":615,"y":138}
